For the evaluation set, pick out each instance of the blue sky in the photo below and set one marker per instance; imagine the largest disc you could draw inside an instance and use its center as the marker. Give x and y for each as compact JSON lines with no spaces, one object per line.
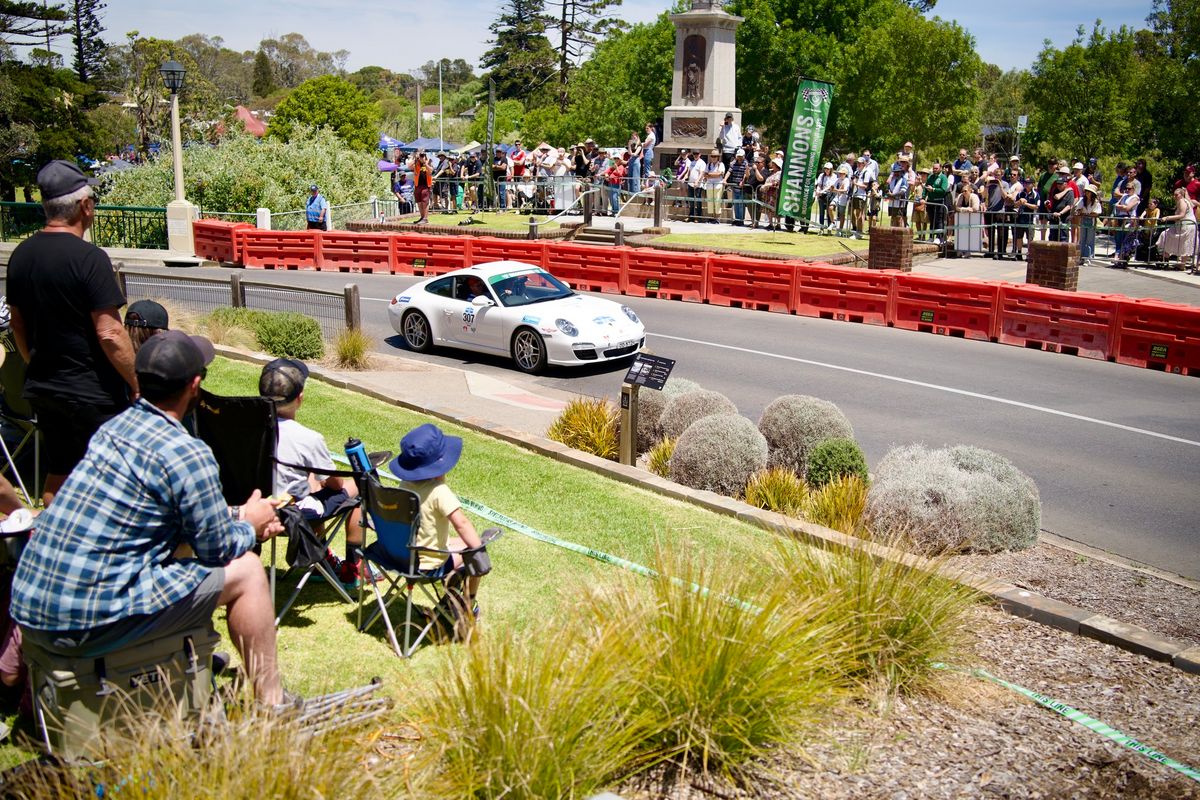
{"x":402,"y":36}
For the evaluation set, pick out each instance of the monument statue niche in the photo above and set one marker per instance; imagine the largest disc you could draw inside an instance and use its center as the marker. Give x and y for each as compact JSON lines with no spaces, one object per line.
{"x":693,"y":74}
{"x":704,"y":84}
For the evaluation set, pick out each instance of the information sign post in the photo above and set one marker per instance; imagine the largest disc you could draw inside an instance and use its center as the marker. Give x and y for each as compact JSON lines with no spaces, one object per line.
{"x":646,"y":370}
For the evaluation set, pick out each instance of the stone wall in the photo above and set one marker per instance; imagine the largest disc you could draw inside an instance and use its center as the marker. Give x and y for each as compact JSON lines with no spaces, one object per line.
{"x":1054,"y":265}
{"x":891,"y":248}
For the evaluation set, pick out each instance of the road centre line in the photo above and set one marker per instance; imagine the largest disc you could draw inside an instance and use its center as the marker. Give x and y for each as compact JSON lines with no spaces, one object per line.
{"x":936,"y":387}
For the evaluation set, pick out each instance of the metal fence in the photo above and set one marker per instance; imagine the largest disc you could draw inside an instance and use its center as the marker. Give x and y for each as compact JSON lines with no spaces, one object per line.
{"x":333,"y":311}
{"x":115,"y":226}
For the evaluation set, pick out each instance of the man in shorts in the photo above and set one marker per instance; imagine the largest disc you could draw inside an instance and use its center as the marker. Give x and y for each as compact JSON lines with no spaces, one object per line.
{"x":101,"y":574}
{"x":64,"y":301}
{"x":301,"y":449}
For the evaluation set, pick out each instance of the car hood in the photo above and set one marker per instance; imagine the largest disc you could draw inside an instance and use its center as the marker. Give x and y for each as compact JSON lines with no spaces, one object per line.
{"x":595,"y":318}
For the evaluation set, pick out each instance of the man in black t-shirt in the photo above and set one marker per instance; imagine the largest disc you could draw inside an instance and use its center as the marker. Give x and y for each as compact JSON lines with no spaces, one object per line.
{"x":65,"y":322}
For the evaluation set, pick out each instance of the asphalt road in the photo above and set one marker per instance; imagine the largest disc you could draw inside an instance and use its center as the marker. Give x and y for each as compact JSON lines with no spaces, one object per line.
{"x":1114,"y":450}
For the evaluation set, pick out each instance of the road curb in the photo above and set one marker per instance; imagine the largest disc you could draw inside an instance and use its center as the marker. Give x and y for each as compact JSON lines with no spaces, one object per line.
{"x":1007,"y":596}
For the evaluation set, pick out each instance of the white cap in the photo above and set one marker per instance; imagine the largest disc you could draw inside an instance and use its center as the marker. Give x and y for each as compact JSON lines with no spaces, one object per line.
{"x":1077,"y":166}
{"x":740,"y":152}
{"x":828,"y":165}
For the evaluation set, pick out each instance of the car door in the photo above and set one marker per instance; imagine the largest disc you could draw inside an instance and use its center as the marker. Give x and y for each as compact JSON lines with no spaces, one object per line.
{"x":476,"y":327}
{"x":438,"y":305}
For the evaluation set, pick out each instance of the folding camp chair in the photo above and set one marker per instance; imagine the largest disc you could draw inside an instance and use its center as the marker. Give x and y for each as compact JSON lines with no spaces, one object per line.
{"x":395,"y":516}
{"x":242,"y":432}
{"x":16,"y":411}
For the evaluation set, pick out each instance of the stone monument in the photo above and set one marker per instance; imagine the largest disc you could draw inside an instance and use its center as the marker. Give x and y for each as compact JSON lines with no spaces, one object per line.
{"x":704,"y":87}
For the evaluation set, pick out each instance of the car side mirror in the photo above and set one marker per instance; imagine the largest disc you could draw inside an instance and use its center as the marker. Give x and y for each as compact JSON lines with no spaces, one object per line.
{"x":479,"y":301}
{"x":564,"y":283}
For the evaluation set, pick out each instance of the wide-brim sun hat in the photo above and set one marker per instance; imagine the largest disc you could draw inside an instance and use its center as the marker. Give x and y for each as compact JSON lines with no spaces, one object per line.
{"x":426,"y":452}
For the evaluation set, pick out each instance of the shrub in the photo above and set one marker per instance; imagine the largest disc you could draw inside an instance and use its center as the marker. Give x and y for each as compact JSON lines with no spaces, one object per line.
{"x":719,"y":453}
{"x":795,"y":423}
{"x":777,"y":489}
{"x":290,"y":335}
{"x":835,"y":458}
{"x":952,"y":499}
{"x":555,"y":716}
{"x":896,"y":618}
{"x":839,"y":504}
{"x":658,"y":460}
{"x":725,"y":671}
{"x":682,"y":410}
{"x":588,"y":424}
{"x":352,"y":349}
{"x":650,"y":407}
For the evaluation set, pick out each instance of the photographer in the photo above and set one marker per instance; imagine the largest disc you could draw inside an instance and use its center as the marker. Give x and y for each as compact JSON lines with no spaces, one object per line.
{"x":422,"y":184}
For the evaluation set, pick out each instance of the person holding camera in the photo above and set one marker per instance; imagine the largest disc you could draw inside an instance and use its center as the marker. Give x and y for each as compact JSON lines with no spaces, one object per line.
{"x":422,"y":185}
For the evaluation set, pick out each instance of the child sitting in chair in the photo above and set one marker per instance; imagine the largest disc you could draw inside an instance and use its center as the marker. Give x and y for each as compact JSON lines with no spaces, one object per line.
{"x":317,"y":496}
{"x":426,"y":455}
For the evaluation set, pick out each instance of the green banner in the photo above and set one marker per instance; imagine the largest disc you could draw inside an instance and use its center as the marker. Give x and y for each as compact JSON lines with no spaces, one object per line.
{"x":802,"y":160}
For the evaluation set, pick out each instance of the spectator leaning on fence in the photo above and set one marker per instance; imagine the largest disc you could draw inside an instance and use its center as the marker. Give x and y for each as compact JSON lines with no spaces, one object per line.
{"x":64,"y":302}
{"x":735,"y":179}
{"x":316,"y":209}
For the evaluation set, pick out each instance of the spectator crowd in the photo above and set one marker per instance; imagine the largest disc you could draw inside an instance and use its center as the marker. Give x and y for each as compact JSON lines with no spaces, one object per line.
{"x":737,"y":181}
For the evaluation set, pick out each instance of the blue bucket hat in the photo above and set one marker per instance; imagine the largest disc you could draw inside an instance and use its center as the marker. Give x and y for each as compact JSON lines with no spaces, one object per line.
{"x":426,"y":452}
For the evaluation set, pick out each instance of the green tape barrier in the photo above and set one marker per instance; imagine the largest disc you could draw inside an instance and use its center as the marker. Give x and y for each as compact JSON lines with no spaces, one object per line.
{"x":1075,"y":715}
{"x":607,"y":558}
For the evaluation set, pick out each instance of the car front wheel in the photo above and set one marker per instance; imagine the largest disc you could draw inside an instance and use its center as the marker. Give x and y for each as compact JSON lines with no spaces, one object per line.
{"x":529,"y":351}
{"x":416,"y":332}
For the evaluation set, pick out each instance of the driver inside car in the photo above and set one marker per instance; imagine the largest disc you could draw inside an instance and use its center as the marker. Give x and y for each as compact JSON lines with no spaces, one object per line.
{"x":471,"y":288}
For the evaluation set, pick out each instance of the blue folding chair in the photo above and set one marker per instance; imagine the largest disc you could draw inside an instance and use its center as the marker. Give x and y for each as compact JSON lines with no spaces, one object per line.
{"x":395,"y":516}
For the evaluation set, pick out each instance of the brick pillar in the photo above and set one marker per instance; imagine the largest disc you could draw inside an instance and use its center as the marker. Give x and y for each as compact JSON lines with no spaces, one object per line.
{"x":1054,"y":265}
{"x":891,"y":248}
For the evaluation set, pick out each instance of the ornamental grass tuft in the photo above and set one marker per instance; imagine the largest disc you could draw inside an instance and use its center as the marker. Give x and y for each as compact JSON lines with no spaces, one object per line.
{"x":899,"y":617}
{"x":777,"y":489}
{"x":839,"y":504}
{"x":588,"y":424}
{"x":352,"y":349}
{"x":658,"y":460}
{"x":728,"y":665}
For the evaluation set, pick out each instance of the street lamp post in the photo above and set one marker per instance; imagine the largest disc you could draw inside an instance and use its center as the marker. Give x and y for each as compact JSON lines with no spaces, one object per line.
{"x":180,"y":213}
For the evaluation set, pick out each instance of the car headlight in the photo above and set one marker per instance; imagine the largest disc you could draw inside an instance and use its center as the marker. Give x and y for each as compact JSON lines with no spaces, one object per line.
{"x":566,"y":327}
{"x":629,"y":313}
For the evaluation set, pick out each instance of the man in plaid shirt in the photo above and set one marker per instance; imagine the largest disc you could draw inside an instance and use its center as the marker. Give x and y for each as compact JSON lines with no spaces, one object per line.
{"x":100,"y":574}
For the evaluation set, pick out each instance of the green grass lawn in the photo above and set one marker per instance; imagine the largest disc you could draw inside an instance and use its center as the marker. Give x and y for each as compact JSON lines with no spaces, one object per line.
{"x":800,"y":245}
{"x":510,"y":221}
{"x":318,"y":645}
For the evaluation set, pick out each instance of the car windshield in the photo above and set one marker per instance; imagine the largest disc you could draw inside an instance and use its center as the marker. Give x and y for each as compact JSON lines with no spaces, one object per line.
{"x":524,"y":287}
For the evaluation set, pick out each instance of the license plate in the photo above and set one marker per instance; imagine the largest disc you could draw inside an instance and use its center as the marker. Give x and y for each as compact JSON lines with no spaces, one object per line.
{"x":629,"y":343}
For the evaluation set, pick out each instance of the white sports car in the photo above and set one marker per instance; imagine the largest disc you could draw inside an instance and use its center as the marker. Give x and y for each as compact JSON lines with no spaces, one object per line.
{"x":517,"y":309}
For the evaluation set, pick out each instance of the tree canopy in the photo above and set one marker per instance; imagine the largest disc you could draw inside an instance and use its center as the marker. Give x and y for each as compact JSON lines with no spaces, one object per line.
{"x":327,"y":102}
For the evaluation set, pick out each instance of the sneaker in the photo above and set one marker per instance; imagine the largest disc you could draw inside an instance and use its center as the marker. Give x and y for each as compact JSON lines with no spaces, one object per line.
{"x":353,"y":576}
{"x":334,"y":563}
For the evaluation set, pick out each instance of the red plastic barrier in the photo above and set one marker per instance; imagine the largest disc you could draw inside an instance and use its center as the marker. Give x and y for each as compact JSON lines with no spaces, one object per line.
{"x":946,"y":306}
{"x":586,"y":267}
{"x":490,"y":248}
{"x":341,"y":251}
{"x":214,"y":240}
{"x":415,"y":254}
{"x":751,"y":283}
{"x":277,"y":249}
{"x":857,"y":295}
{"x":1158,"y":335}
{"x":666,"y":274}
{"x":1078,"y":323}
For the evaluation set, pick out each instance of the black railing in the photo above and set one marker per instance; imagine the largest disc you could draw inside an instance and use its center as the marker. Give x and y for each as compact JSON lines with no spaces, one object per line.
{"x":115,"y":226}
